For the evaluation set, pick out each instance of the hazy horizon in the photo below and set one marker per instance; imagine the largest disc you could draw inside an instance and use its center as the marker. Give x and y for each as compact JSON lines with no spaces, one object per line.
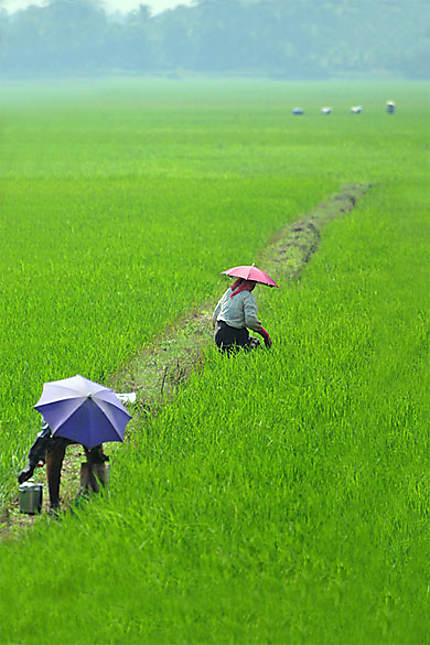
{"x":293,"y":40}
{"x":124,"y":6}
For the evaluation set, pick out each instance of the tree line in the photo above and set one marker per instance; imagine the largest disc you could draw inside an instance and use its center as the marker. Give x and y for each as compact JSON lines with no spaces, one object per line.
{"x":291,"y":39}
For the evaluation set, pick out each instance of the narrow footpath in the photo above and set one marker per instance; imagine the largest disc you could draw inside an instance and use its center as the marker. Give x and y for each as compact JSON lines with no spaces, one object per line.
{"x":156,"y":373}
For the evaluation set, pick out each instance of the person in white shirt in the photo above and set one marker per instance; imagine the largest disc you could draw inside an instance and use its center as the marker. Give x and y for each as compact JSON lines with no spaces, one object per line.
{"x":235,"y":313}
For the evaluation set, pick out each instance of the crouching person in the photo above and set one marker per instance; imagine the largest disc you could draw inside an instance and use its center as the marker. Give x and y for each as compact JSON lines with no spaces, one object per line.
{"x":235,"y":313}
{"x":50,"y":450}
{"x":390,"y":107}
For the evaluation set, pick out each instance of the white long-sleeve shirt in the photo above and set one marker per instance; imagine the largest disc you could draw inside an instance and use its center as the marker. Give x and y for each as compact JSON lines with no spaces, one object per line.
{"x":239,"y":311}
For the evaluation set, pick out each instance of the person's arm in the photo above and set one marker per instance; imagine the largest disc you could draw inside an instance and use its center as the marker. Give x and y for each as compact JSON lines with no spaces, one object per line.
{"x":217,"y":310}
{"x":251,"y":320}
{"x":37,"y":454}
{"x":215,"y":314}
{"x":250,"y":310}
{"x":266,"y":337}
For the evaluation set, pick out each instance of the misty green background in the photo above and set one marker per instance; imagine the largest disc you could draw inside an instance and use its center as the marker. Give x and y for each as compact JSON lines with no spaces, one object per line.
{"x":294,"y":40}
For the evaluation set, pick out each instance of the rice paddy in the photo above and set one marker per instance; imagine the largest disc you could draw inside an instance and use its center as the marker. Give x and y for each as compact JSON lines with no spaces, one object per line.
{"x":281,"y":497}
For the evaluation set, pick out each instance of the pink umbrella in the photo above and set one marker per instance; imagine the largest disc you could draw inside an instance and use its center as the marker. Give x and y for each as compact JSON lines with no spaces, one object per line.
{"x":251,"y":273}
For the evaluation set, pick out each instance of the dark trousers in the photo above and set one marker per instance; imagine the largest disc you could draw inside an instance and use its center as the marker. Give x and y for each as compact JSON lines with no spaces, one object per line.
{"x":229,"y":339}
{"x":51,"y":450}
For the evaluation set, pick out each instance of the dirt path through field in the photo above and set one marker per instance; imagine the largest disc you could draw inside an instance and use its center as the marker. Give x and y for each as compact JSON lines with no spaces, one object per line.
{"x":156,"y":372}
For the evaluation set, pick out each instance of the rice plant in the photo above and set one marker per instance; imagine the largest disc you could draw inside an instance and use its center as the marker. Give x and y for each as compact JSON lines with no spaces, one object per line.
{"x":282,"y":496}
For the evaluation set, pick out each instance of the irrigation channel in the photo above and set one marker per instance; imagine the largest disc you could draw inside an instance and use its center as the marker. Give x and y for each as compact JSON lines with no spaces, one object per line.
{"x":156,"y":372}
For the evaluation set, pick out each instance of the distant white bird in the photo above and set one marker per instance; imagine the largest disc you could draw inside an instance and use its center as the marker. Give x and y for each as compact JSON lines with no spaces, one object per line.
{"x":390,"y":107}
{"x":326,"y":110}
{"x":298,"y":110}
{"x":356,"y":109}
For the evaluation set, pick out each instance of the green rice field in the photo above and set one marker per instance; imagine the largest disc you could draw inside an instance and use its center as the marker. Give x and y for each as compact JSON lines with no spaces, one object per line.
{"x":281,"y":497}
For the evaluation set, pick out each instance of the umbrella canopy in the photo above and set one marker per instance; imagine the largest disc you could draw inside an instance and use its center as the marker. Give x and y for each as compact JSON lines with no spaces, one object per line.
{"x":251,"y":273}
{"x":79,"y":409}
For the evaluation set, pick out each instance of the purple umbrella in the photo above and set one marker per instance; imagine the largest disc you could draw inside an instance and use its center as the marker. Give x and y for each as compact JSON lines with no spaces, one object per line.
{"x":84,"y":411}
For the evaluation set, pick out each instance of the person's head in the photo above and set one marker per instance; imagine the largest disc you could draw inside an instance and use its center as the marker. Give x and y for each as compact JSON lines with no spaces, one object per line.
{"x":242,"y":285}
{"x":249,"y":285}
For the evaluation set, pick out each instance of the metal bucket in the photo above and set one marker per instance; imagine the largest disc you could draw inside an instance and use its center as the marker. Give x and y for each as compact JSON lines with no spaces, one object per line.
{"x":30,"y":498}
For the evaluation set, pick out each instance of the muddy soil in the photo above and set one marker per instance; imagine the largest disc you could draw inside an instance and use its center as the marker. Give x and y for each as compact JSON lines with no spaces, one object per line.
{"x":157,"y":371}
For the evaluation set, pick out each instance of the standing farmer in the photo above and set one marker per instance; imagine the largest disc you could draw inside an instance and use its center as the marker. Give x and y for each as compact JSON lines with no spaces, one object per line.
{"x":236,"y":311}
